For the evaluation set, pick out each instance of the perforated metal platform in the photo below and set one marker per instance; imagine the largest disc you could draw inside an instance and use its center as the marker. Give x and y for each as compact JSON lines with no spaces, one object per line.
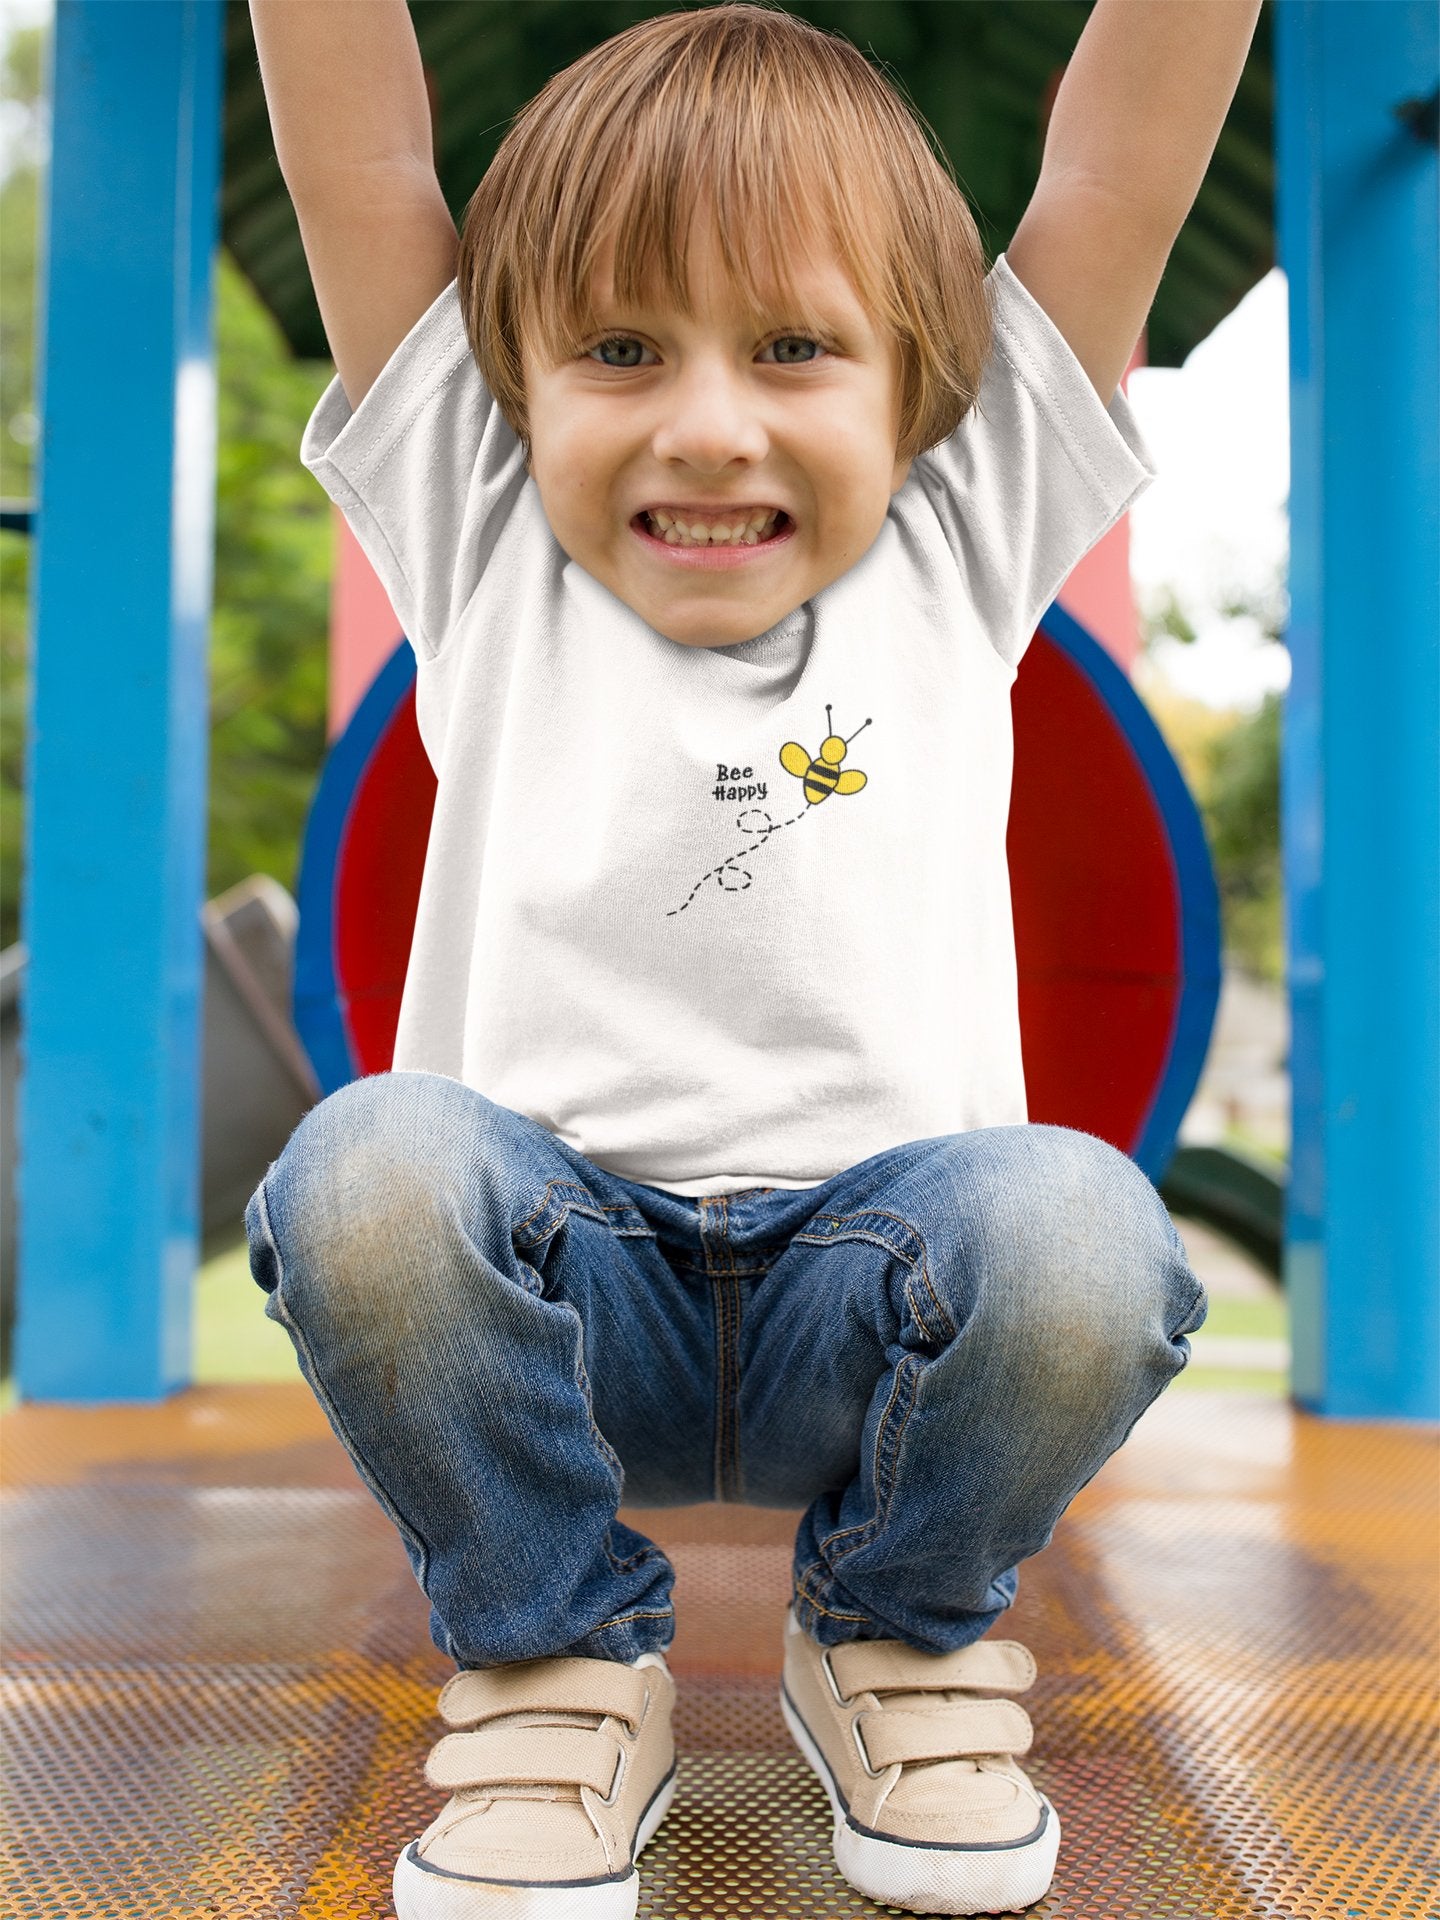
{"x":220,"y":1690}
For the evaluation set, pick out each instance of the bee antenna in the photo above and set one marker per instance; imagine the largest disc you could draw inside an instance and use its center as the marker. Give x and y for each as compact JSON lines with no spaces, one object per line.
{"x":829,"y":724}
{"x":860,"y":729}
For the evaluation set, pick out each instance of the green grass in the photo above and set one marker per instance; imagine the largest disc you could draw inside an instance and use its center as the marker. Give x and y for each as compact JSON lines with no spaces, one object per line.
{"x":1241,"y":1138}
{"x":233,"y":1340}
{"x":1257,"y":1386}
{"x":1267,"y":1319}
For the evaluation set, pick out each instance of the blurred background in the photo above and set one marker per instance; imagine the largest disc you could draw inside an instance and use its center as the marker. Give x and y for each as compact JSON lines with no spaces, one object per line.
{"x":216,"y":1645}
{"x":1208,"y":563}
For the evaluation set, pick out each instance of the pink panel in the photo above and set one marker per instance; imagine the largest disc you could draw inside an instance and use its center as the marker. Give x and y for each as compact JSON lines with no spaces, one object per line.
{"x":363,"y":628}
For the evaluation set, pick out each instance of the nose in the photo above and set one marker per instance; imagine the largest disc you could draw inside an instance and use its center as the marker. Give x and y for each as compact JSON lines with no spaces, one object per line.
{"x":710,"y":418}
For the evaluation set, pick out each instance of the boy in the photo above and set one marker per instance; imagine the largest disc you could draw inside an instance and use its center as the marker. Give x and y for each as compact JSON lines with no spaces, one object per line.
{"x":719,"y":490}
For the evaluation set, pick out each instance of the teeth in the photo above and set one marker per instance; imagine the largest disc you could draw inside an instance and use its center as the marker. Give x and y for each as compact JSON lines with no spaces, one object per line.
{"x":747,"y":532}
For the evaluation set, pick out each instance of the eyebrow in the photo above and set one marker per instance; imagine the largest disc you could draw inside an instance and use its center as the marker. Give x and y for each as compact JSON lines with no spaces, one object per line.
{"x":832,"y":321}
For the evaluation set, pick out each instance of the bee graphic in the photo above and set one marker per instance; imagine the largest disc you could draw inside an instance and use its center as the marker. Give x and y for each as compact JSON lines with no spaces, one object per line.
{"x":821,"y":775}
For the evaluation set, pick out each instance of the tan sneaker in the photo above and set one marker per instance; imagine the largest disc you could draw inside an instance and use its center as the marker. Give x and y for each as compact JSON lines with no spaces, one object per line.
{"x":931,"y":1811}
{"x":563,"y":1771}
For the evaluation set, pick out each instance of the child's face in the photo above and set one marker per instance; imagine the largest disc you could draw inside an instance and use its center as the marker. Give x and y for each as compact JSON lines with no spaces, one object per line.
{"x":709,"y":414}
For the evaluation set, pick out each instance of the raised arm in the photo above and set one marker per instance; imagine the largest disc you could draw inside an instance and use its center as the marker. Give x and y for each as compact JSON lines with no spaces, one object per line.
{"x":351,"y":124}
{"x":1134,"y":124}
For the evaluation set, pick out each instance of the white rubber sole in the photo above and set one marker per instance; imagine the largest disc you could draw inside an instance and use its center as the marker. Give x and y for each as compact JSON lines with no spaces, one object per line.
{"x":423,"y":1894}
{"x":934,"y":1879}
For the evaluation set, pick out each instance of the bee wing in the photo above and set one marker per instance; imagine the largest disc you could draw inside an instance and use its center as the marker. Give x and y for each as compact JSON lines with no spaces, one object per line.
{"x":850,"y":781}
{"x":795,"y":759}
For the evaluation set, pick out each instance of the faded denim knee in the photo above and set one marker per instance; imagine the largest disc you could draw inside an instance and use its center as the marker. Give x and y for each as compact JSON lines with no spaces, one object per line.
{"x":1065,"y":1266}
{"x":349,"y":1227}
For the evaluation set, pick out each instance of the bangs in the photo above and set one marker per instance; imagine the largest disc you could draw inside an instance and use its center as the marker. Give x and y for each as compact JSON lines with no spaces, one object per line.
{"x":786,"y":141}
{"x":772,"y":200}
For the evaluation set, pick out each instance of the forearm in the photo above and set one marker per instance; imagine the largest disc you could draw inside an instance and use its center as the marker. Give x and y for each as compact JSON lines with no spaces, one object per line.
{"x":1144,"y":97}
{"x":344,"y":88}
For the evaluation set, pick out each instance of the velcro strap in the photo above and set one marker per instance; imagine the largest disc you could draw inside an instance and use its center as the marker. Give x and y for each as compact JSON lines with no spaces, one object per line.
{"x":524,"y":1757}
{"x":545,"y":1686}
{"x":946,"y":1733}
{"x":888,"y":1666}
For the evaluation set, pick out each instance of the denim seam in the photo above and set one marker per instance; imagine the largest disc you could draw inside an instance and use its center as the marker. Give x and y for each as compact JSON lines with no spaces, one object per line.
{"x":632,"y":1560}
{"x":717,"y":1339}
{"x":297,"y":1334}
{"x":819,"y":1577}
{"x":885,"y":1496}
{"x":886,"y":1461}
{"x":949,"y":1331}
{"x":624,"y":1619}
{"x":915,"y":1314}
{"x":732,"y":1358}
{"x":948,"y":1326}
{"x":545,"y":1201}
{"x":582,"y":1376}
{"x":582,"y":1381}
{"x":721,"y":1271}
{"x":864,"y":1525}
{"x":876,"y":1239}
{"x":829,"y":1612}
{"x":587,"y":1204}
{"x":886,"y":1454}
{"x":697,"y":1266}
{"x":838,"y":1226}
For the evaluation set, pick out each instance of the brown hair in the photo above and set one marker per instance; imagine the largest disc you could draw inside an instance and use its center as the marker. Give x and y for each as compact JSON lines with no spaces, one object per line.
{"x":789,"y":133}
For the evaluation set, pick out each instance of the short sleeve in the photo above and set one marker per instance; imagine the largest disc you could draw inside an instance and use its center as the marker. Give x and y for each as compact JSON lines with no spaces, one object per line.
{"x":1035,"y":473}
{"x":426,"y":471}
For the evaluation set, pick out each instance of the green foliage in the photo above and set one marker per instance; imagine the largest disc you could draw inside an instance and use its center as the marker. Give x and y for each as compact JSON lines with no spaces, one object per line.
{"x":13,"y":558}
{"x":273,"y":548}
{"x":273,"y":545}
{"x":1234,"y":773}
{"x":18,"y":237}
{"x":1242,"y":822}
{"x":20,"y":84}
{"x":1170,"y":618}
{"x":20,"y":87}
{"x":21,"y":72}
{"x":272,"y":566}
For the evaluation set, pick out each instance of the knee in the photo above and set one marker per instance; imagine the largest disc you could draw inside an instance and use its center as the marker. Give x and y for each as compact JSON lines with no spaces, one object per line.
{"x":1067,"y":1241}
{"x":1112,"y":1241}
{"x":349,"y":1211}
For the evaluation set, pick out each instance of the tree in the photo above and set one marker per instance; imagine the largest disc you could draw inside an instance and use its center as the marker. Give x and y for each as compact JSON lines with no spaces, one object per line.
{"x":272,"y":551}
{"x":20,"y":87}
{"x":269,"y":627}
{"x":1233,"y":767}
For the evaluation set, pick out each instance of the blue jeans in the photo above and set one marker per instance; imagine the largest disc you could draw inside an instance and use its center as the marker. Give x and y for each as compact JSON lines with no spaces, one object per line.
{"x":931,"y":1353}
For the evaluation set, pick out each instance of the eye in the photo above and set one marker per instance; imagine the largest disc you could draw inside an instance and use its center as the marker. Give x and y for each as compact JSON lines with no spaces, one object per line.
{"x":788,"y":341}
{"x":625,"y":341}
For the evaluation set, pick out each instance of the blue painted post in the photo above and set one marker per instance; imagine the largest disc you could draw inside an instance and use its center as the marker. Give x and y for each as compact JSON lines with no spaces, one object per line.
{"x":108,"y":1172}
{"x":1361,"y":760}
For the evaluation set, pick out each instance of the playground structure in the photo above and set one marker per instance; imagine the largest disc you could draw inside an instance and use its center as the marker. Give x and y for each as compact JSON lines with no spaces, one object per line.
{"x":219,"y":1640}
{"x":108,"y":1101}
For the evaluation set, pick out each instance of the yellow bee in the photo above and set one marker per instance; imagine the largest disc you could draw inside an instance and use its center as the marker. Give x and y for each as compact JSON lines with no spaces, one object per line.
{"x":821,"y":775}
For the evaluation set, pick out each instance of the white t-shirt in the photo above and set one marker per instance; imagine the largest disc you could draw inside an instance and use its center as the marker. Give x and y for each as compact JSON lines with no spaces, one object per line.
{"x":708,"y":981}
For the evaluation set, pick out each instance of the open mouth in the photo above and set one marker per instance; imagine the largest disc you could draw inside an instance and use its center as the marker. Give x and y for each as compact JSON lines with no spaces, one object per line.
{"x":742,"y":530}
